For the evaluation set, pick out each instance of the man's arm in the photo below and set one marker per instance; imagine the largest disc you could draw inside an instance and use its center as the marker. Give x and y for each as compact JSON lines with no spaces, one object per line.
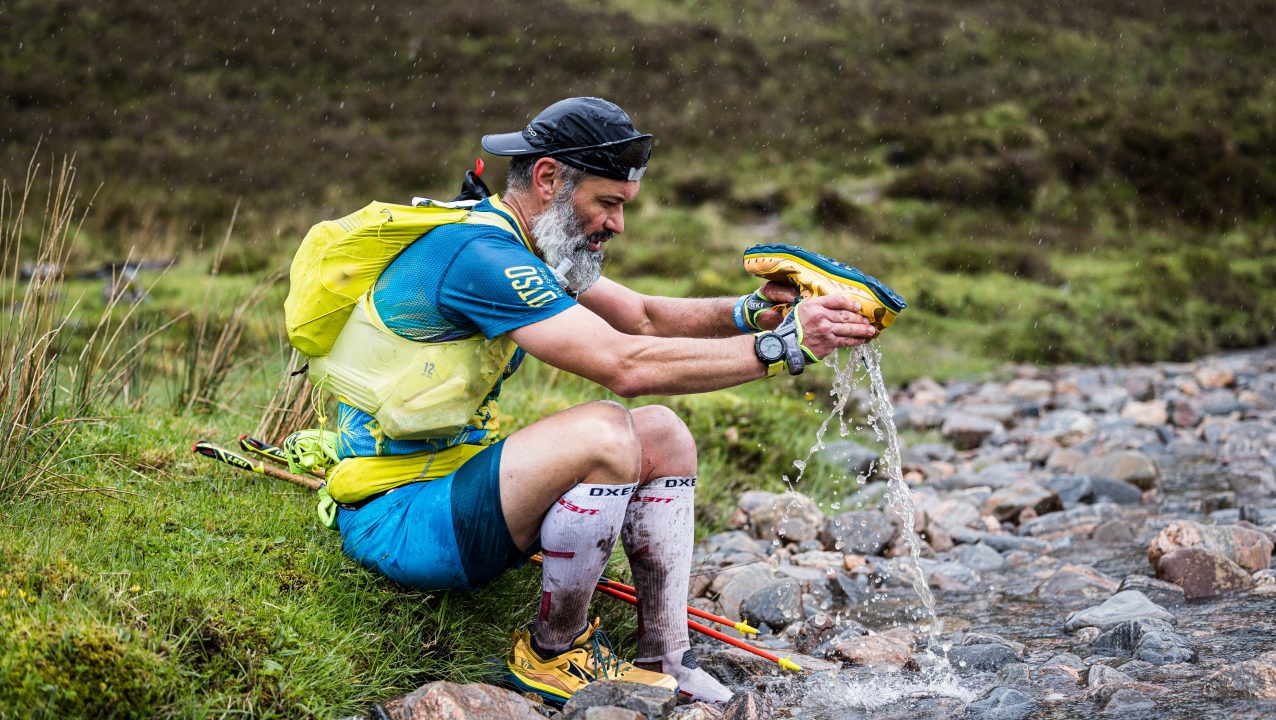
{"x":637,"y":314}
{"x":583,"y":343}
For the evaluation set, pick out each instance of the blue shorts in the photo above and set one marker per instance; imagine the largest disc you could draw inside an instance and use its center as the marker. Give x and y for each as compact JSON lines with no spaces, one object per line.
{"x":444,"y":534}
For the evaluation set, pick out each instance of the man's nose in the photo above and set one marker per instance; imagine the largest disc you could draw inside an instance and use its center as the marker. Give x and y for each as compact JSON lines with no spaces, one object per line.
{"x":615,"y":221}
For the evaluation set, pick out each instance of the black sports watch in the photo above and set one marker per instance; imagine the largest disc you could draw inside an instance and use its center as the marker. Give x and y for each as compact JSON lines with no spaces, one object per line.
{"x":775,"y":351}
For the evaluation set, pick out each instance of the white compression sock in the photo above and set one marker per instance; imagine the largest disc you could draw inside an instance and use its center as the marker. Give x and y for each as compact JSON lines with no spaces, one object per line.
{"x":577,"y":536}
{"x":658,"y":535}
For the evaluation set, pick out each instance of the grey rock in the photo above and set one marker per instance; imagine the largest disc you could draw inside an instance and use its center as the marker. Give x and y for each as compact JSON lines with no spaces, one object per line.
{"x":1186,"y":412}
{"x":1026,"y":389}
{"x":1014,"y":674}
{"x":1007,"y":503}
{"x":1162,"y":593}
{"x":732,"y":586}
{"x":1141,"y":385}
{"x":850,"y":590}
{"x":650,"y":702}
{"x":1001,"y":542}
{"x":989,"y":657}
{"x":1251,"y":479}
{"x":857,"y":459}
{"x":791,"y":517}
{"x":929,"y":452}
{"x":1080,"y":521}
{"x":1246,"y":546}
{"x":777,"y":604}
{"x":864,"y":532}
{"x":1066,"y":427}
{"x":735,"y":667}
{"x":1123,"y":606}
{"x":966,"y":431}
{"x":697,"y":711}
{"x":1114,"y":532}
{"x":1003,"y":413}
{"x":1003,"y":703}
{"x":454,"y":701}
{"x":978,"y":557}
{"x":1105,"y":490}
{"x":1128,"y":700}
{"x":1146,"y":639}
{"x":1101,"y":675}
{"x":1076,"y":582}
{"x":1071,"y":489}
{"x":1129,"y":466}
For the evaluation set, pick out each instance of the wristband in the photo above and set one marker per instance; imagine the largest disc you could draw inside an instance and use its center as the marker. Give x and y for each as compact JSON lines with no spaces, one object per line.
{"x":746,"y":311}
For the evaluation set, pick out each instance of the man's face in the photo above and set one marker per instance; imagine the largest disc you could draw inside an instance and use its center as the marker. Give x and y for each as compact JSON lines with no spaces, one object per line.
{"x":577,"y":225}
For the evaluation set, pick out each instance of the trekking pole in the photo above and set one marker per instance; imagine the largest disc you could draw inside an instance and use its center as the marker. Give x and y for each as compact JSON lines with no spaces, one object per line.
{"x":213,"y":452}
{"x":741,"y":626}
{"x":784,"y":662}
{"x":274,"y":453}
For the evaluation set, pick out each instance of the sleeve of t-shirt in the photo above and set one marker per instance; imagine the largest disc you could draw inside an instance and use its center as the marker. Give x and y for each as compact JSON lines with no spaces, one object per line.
{"x":500,"y":286}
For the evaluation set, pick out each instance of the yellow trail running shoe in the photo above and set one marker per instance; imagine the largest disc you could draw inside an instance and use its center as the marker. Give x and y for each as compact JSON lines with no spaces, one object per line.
{"x":815,"y":274}
{"x":590,"y":658}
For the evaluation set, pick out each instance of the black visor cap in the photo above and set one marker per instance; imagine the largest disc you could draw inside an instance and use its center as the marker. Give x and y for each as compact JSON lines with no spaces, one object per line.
{"x":589,"y":133}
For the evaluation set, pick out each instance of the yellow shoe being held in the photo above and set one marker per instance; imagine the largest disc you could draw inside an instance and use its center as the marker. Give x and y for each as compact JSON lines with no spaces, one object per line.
{"x":814,"y":274}
{"x":589,"y":658}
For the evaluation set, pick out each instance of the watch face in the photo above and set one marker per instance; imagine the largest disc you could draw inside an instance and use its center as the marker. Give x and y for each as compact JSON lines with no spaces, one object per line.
{"x":770,"y":348}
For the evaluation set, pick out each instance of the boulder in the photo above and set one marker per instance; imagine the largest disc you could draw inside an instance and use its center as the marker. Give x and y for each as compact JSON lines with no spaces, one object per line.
{"x":987,"y":657}
{"x":733,"y":585}
{"x":882,"y":652}
{"x":1203,"y":573}
{"x":452,"y":701}
{"x":777,"y":605}
{"x":1003,"y":703}
{"x":1008,"y":503}
{"x":966,"y":431}
{"x":1130,"y":466}
{"x":791,"y":517}
{"x":1147,"y":639}
{"x":1066,"y":427}
{"x":1123,"y":606}
{"x":1254,"y":679}
{"x":1247,"y":547}
{"x":647,"y":701}
{"x":864,"y":532}
{"x":1076,"y":582}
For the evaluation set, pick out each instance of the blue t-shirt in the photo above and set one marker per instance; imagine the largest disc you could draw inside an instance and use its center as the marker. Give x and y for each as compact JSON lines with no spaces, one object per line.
{"x":454,"y":282}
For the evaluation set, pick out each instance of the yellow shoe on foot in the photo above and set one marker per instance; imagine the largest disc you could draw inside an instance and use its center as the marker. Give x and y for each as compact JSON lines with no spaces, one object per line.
{"x":589,"y":658}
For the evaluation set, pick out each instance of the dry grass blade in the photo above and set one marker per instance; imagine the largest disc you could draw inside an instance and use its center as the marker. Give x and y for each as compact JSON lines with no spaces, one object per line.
{"x":290,"y":407}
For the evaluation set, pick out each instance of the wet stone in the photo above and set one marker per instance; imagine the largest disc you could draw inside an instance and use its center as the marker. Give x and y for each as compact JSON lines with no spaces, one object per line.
{"x":1071,"y":489}
{"x":732,"y":586}
{"x":877,"y":651}
{"x":1254,"y":678}
{"x":791,"y":517}
{"x":989,"y":657}
{"x":1106,"y":490}
{"x":978,"y":557}
{"x":1130,"y":466}
{"x":1123,"y":606}
{"x":697,"y":711}
{"x":1066,"y":427}
{"x":863,"y":532}
{"x":1162,"y":593}
{"x":747,"y":705}
{"x":1203,"y":574}
{"x":1008,"y":503}
{"x":1003,"y":703}
{"x":1146,"y":639}
{"x":651,"y":703}
{"x":966,"y":431}
{"x":1076,"y":582}
{"x":1128,"y":700}
{"x":1080,"y":520}
{"x":1101,"y":675}
{"x":777,"y":605}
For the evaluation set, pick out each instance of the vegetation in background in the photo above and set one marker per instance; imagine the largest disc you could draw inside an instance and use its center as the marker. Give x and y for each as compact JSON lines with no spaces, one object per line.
{"x":1045,"y":182}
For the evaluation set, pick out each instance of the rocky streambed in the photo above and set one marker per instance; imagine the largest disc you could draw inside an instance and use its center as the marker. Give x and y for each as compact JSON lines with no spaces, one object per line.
{"x":1098,"y":540}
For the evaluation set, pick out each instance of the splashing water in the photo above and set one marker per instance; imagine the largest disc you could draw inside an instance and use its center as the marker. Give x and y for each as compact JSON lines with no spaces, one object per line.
{"x":881,"y":418}
{"x":846,"y":695}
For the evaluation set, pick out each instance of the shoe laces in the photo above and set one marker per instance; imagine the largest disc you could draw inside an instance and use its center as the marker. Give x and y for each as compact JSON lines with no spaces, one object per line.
{"x":605,"y":660}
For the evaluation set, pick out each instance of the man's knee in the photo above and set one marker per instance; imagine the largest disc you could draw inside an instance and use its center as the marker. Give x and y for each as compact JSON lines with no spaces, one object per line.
{"x":609,"y":434}
{"x":663,"y":434}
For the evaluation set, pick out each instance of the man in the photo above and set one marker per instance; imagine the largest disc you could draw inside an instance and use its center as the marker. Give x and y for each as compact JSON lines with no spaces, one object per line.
{"x":570,"y":483}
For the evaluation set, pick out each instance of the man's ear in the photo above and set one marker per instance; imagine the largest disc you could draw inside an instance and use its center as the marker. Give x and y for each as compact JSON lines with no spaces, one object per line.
{"x":544,"y":179}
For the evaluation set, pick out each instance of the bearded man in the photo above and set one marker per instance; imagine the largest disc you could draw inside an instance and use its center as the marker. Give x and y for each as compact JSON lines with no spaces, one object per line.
{"x":462,"y":509}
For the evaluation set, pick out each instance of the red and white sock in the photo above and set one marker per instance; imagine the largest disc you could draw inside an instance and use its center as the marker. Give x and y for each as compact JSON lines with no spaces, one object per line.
{"x":577,"y":537}
{"x":658,"y":534}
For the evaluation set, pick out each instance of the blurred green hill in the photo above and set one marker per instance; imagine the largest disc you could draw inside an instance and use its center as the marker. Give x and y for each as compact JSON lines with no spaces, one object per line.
{"x":961,"y":136}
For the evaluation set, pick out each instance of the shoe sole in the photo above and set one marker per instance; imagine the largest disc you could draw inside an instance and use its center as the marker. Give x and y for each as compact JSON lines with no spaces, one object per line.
{"x":832,"y":269}
{"x":546,"y":693}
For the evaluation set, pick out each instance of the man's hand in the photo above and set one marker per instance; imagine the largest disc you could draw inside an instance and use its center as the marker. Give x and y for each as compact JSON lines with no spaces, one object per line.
{"x":783,"y":296}
{"x":830,"y":322}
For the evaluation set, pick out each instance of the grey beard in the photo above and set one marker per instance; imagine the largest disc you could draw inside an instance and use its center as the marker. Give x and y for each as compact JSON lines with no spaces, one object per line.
{"x":559,"y":236}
